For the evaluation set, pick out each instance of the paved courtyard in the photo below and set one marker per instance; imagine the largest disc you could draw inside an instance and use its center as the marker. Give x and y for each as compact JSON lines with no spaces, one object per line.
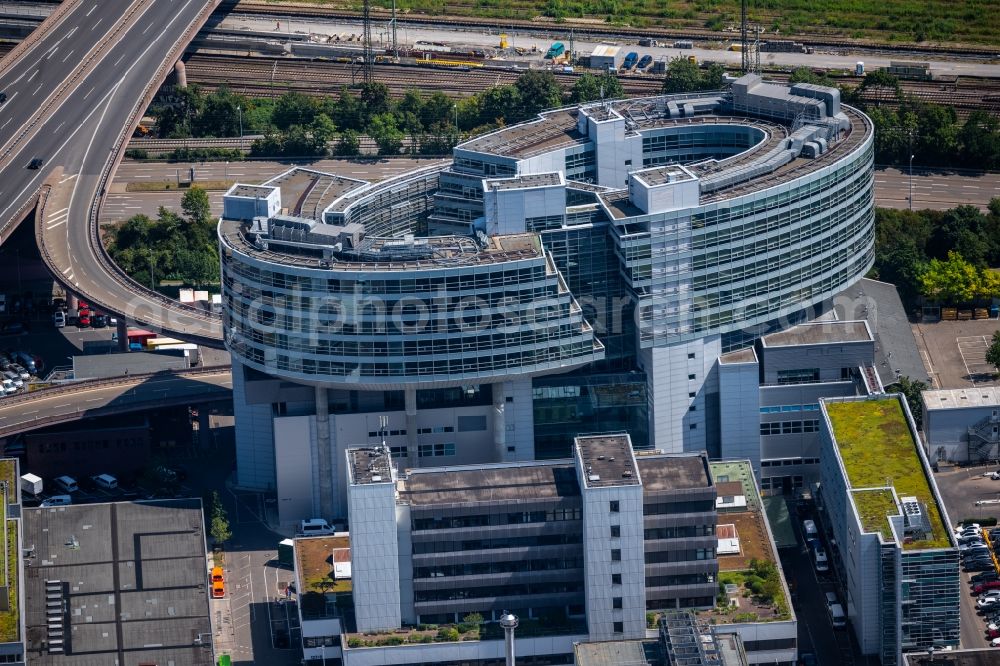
{"x":953,"y":352}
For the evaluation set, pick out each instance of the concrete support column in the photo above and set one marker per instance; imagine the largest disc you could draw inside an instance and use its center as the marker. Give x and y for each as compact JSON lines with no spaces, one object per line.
{"x":122,"y":333}
{"x":410,"y":405}
{"x":180,"y":73}
{"x":72,"y":302}
{"x":324,"y":454}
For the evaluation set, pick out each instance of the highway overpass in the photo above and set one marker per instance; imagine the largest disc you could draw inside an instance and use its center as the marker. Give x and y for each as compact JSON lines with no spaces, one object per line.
{"x":75,"y":88}
{"x":106,"y":397}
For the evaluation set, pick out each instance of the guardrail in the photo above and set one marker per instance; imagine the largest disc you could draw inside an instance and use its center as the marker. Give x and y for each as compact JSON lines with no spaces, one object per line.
{"x":86,"y":384}
{"x":118,"y":149}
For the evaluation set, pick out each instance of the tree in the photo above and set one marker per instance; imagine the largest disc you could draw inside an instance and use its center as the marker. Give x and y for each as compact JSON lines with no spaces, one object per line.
{"x":349,"y":144}
{"x":323,"y":132}
{"x":538,"y":90}
{"x":219,"y":524}
{"x":682,"y":76}
{"x":387,"y":136}
{"x":993,"y":351}
{"x":375,"y":100}
{"x":952,"y":281}
{"x":500,"y":105}
{"x":911,"y":390}
{"x":218,"y":115}
{"x":293,"y":108}
{"x":589,"y":88}
{"x":196,"y":205}
{"x":980,"y":139}
{"x":880,"y":86}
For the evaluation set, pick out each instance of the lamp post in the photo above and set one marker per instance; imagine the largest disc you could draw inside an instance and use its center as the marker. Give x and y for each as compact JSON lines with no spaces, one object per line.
{"x":239,"y":110}
{"x":454,"y":110}
{"x":911,"y":180}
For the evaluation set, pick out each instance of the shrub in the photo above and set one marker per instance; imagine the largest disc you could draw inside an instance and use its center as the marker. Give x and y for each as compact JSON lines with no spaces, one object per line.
{"x":447,"y":634}
{"x":137,"y":154}
{"x":424,"y":638}
{"x":650,"y":620}
{"x":354,"y":642}
{"x":391,"y":640}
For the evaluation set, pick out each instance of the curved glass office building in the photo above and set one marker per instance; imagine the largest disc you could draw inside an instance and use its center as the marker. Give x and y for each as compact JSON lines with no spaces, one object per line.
{"x":579,"y":272}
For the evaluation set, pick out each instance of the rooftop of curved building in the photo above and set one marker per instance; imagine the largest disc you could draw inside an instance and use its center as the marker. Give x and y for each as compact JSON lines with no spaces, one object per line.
{"x":790,"y":130}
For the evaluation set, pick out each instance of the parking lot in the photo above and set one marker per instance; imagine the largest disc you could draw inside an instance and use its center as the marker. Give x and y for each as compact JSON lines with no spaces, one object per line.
{"x":953,"y":352}
{"x":961,"y":489}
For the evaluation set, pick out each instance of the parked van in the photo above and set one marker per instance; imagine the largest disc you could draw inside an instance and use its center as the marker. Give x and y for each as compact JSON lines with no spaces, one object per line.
{"x":105,"y":481}
{"x":67,"y":483}
{"x":837,"y":616}
{"x":57,"y":500}
{"x":809,"y":529}
{"x":315,"y":527}
{"x":27,"y":360}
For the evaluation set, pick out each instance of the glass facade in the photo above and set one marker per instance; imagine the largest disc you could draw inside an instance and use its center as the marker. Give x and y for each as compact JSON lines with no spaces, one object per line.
{"x":929,"y":599}
{"x":565,"y":406}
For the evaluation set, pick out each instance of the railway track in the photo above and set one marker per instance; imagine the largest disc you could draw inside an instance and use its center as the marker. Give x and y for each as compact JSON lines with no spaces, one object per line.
{"x":559,"y":30}
{"x":272,"y":77}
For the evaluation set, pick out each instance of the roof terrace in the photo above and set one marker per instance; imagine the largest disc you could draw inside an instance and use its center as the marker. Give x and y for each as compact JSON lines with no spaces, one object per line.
{"x":877,"y":449}
{"x":749,"y":600}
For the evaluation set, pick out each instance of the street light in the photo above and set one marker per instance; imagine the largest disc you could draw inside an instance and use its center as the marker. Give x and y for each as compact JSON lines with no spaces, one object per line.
{"x":239,"y":110}
{"x":911,"y":181}
{"x":454,"y":108}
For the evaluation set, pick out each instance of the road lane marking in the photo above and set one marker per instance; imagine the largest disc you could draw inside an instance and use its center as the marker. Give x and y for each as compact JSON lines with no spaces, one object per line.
{"x":52,"y":52}
{"x":90,"y":12}
{"x":55,"y":224}
{"x":68,"y":55}
{"x":37,"y":89}
{"x":33,"y":75}
{"x":5,"y":124}
{"x":89,"y":91}
{"x":97,"y":24}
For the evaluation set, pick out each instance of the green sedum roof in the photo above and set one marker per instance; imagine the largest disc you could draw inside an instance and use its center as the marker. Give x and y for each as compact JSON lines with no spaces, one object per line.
{"x":874,"y":507}
{"x":878,"y":450}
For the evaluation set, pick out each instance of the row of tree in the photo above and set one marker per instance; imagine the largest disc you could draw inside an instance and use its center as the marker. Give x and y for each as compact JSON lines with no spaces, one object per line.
{"x":944,"y":256}
{"x":296,"y":124}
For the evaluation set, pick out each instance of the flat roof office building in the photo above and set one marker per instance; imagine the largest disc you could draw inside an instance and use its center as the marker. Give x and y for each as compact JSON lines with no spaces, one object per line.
{"x":896,"y":549}
{"x":581,"y":272}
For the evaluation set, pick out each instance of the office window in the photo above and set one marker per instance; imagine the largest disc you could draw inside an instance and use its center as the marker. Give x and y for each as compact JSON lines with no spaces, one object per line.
{"x":616,"y":555}
{"x":619,"y":627}
{"x":693,"y":426}
{"x":616,"y":602}
{"x":616,"y":579}
{"x":615,"y":506}
{"x":616,"y":530}
{"x":691,"y":394}
{"x":691,"y":376}
{"x":690,"y":356}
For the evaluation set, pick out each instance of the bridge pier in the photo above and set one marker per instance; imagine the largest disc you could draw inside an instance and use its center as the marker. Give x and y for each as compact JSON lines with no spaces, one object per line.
{"x":122,"y":334}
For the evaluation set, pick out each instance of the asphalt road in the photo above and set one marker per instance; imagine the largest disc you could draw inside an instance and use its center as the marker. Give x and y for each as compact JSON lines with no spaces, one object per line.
{"x":408,"y":34}
{"x":935,"y":189}
{"x":31,"y":79}
{"x":82,"y":402}
{"x":109,"y":95}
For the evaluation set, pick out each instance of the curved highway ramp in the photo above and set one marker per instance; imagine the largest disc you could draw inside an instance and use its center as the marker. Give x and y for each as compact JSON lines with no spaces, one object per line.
{"x":105,"y":397}
{"x":75,"y":88}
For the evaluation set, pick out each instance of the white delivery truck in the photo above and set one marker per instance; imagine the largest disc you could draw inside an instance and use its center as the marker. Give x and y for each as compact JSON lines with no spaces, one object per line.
{"x":31,"y":484}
